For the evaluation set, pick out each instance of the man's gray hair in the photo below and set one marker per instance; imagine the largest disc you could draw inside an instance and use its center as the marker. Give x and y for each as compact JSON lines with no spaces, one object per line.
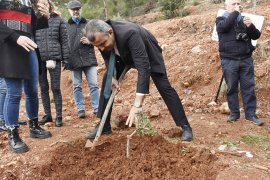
{"x":96,"y":25}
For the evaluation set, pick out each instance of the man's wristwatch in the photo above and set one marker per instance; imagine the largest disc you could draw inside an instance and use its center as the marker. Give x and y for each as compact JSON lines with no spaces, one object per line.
{"x":137,"y":104}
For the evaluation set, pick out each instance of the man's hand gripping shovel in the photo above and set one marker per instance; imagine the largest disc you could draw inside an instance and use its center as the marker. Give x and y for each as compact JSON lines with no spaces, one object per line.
{"x":105,"y":114}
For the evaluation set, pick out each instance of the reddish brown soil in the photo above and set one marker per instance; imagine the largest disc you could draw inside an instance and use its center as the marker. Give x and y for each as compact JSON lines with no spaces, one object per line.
{"x":164,"y":156}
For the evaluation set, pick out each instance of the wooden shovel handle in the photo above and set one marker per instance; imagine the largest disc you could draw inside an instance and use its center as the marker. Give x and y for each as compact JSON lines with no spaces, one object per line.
{"x":108,"y":107}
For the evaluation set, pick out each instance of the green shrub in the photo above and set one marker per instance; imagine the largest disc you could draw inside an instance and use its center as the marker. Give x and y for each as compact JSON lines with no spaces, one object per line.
{"x":171,"y":8}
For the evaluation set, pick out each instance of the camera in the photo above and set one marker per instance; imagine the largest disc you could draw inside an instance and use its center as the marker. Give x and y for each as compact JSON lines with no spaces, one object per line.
{"x":242,"y":37}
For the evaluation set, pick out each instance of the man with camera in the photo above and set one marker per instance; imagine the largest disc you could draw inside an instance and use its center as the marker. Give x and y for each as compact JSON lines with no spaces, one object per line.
{"x":235,"y":33}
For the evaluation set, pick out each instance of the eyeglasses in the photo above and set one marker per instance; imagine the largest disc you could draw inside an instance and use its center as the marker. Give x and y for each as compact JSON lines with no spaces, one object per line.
{"x":76,"y":9}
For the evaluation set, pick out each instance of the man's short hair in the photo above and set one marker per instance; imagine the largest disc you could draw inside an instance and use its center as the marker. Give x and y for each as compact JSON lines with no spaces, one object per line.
{"x":96,"y":25}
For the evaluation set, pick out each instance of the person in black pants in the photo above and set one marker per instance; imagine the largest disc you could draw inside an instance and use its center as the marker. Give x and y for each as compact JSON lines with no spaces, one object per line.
{"x":235,"y":33}
{"x":54,"y":48}
{"x":124,"y":44}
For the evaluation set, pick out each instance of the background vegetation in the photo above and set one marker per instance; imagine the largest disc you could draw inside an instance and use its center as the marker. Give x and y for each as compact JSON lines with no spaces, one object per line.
{"x":118,"y":9}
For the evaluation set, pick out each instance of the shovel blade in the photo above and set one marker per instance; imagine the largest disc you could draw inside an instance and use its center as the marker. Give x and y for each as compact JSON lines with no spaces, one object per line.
{"x":89,"y":144}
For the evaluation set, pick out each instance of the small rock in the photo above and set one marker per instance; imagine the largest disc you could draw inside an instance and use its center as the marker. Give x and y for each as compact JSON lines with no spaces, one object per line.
{"x":196,"y":50}
{"x":213,"y":103}
{"x":186,"y":84}
{"x":154,"y":112}
{"x":222,"y":147}
{"x":187,"y":91}
{"x":224,"y":108}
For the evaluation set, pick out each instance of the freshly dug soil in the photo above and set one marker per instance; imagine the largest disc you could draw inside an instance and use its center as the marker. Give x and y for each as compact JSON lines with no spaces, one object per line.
{"x":151,"y":158}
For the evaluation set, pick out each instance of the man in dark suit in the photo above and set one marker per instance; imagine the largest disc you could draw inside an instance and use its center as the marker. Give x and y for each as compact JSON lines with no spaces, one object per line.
{"x":128,"y":44}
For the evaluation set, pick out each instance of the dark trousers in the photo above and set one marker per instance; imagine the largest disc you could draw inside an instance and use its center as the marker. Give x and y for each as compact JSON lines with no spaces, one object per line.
{"x":165,"y":89}
{"x":55,"y":75}
{"x":242,"y":71}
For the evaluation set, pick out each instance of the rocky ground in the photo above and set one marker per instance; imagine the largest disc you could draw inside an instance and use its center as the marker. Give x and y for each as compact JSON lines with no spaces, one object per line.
{"x":220,"y":150}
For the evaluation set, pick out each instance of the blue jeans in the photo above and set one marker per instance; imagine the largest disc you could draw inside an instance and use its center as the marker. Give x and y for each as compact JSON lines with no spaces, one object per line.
{"x":3,"y":92}
{"x":240,"y":71}
{"x":91,"y":77}
{"x":14,"y":93}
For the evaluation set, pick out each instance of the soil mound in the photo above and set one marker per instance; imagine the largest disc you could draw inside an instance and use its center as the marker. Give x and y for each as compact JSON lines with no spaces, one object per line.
{"x":151,"y":158}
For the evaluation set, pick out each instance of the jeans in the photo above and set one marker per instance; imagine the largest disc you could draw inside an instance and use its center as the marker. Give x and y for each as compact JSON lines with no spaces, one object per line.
{"x":91,"y":77}
{"x":3,"y":92}
{"x":240,"y":71}
{"x":14,"y":93}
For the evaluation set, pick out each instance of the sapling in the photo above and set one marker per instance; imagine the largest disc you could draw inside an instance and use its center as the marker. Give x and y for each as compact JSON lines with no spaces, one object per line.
{"x":143,"y":127}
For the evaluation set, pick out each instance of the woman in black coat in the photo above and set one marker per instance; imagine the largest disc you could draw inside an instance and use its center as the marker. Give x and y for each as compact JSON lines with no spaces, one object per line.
{"x":53,"y":47}
{"x":19,"y":65}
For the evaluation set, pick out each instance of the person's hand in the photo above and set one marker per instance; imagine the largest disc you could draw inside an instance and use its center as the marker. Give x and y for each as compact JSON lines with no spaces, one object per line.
{"x":115,"y":84}
{"x":247,"y":21}
{"x":239,"y":8}
{"x":43,"y":8}
{"x":85,"y":40}
{"x":26,"y":43}
{"x":66,"y":65}
{"x":132,"y":117}
{"x":50,"y":64}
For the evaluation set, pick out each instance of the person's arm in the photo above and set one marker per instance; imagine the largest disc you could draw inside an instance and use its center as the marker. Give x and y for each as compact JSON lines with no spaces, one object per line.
{"x":11,"y":35}
{"x":225,"y":24}
{"x":141,"y":62}
{"x":253,"y":32}
{"x":64,"y":41}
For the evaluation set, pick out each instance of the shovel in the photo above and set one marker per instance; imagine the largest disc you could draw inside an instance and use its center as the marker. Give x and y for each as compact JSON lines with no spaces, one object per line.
{"x":105,"y":114}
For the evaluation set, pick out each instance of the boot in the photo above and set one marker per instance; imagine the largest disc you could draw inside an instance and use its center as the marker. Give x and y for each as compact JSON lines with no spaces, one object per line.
{"x":2,"y":126}
{"x":92,"y":134}
{"x":45,"y":119}
{"x":58,"y":122}
{"x":15,"y":142}
{"x":36,"y":131}
{"x":187,"y":134}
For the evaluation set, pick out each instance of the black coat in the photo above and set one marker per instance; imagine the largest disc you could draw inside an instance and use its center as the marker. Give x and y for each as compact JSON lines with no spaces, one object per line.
{"x":139,"y":49}
{"x":14,"y":60}
{"x":229,"y":46}
{"x":53,"y":41}
{"x":81,"y":55}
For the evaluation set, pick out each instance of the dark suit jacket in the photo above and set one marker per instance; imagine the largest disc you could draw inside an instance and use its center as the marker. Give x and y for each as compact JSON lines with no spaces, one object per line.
{"x":139,"y":49}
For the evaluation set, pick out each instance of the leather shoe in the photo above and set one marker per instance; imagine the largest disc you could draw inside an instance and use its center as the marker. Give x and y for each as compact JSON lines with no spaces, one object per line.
{"x":187,"y":134}
{"x":58,"y":122}
{"x":254,"y":119}
{"x":232,"y":118}
{"x":81,"y":114}
{"x":45,"y":119}
{"x":92,"y":134}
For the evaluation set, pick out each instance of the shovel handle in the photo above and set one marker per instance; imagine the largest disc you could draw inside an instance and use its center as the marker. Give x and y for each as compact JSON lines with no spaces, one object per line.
{"x":108,"y":107}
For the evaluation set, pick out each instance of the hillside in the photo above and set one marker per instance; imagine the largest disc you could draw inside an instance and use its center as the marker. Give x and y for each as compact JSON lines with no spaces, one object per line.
{"x":220,"y":150}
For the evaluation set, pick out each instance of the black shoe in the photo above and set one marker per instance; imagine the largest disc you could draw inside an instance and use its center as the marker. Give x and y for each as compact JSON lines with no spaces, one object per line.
{"x":2,"y":126}
{"x":58,"y":122}
{"x":95,"y":112}
{"x":36,"y":131}
{"x":254,"y":119}
{"x":81,"y":114}
{"x":92,"y":134}
{"x":233,"y":118}
{"x":22,"y":123}
{"x":187,"y":134}
{"x":15,"y":142}
{"x":45,"y":119}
